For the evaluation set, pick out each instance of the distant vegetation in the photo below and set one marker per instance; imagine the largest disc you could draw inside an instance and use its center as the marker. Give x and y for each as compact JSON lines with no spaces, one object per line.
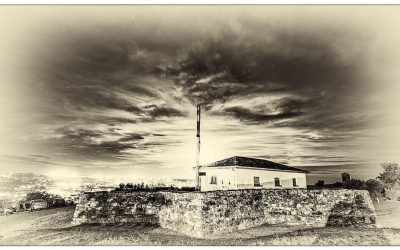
{"x":386,"y":185}
{"x":39,"y":195}
{"x":390,"y":178}
{"x":143,"y":187}
{"x":390,"y":175}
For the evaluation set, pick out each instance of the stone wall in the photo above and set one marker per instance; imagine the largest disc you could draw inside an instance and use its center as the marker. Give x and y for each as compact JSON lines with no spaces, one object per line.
{"x":206,"y":213}
{"x":235,"y":210}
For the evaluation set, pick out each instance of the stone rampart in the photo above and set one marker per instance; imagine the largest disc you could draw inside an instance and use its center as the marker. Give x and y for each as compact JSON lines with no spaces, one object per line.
{"x":201,"y":214}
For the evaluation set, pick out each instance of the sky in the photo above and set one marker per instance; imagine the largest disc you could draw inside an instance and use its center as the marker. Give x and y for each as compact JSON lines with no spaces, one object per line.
{"x":112,"y":90}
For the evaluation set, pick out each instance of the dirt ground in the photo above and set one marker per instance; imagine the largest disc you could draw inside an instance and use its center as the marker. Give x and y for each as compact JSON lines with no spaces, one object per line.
{"x":53,"y":227}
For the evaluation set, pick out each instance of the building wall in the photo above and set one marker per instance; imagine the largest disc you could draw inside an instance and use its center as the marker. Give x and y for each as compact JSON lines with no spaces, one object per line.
{"x":200,"y":214}
{"x":231,"y":178}
{"x":245,"y":179}
{"x":226,"y":178}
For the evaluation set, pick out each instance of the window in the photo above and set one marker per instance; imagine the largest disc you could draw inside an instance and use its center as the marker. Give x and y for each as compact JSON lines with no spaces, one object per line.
{"x":213,"y":180}
{"x":257,"y":181}
{"x":277,"y":182}
{"x":294,"y":182}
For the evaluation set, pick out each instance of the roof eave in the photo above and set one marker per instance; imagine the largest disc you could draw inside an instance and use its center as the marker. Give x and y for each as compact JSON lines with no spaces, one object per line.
{"x":260,"y":168}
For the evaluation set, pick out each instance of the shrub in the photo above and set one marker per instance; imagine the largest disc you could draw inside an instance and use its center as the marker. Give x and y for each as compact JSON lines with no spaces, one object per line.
{"x":375,"y":188}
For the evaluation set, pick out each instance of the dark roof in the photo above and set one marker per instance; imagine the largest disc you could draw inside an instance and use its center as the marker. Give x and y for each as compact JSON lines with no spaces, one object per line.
{"x":254,"y":163}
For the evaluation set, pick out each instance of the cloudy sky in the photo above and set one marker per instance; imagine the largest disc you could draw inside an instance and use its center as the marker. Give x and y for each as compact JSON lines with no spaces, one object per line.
{"x":112,"y":90}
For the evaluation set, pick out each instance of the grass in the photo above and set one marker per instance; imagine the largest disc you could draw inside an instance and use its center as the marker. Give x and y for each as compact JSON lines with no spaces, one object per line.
{"x":53,"y":227}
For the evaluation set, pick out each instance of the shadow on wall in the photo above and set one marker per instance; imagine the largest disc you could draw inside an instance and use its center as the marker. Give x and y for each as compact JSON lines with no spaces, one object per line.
{"x":355,"y":214}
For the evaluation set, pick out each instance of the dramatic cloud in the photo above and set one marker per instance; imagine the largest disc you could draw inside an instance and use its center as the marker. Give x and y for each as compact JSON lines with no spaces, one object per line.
{"x":308,"y":74}
{"x":277,"y":76}
{"x":119,"y":89}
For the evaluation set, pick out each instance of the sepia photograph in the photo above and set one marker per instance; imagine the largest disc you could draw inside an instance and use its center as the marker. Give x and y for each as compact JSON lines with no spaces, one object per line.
{"x":199,"y":125}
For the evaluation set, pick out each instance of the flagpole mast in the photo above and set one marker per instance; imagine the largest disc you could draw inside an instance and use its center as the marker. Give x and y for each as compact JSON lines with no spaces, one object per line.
{"x":198,"y":148}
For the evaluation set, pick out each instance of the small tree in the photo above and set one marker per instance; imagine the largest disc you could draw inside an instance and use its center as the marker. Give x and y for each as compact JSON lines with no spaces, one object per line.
{"x":35,"y":196}
{"x":390,"y":175}
{"x":375,"y":188}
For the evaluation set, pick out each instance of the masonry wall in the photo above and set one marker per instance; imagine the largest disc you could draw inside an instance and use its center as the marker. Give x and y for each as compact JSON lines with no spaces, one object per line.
{"x":245,"y":179}
{"x":200,"y":214}
{"x":235,"y":177}
{"x":240,"y":209}
{"x":226,"y":178}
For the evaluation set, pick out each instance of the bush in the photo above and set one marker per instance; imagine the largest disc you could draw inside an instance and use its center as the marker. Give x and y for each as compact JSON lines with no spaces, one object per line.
{"x":51,"y":199}
{"x":390,"y":175}
{"x":355,"y":184}
{"x":375,"y":188}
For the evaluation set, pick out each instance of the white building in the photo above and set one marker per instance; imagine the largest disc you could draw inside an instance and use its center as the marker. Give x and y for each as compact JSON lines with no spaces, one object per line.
{"x":249,"y":173}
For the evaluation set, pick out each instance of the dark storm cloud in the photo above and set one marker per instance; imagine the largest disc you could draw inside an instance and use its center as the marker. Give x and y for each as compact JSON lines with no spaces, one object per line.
{"x":247,"y":115}
{"x":110,"y":76}
{"x":278,"y":109}
{"x":317,"y":70}
{"x":95,"y":143}
{"x":158,"y":135}
{"x":112,"y":121}
{"x":237,"y":64}
{"x":110,"y":147}
{"x":151,"y":71}
{"x":155,"y":111}
{"x":131,"y":137}
{"x":107,"y":71}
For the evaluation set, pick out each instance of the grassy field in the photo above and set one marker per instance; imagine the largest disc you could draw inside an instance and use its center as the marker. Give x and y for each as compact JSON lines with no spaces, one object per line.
{"x":53,"y":227}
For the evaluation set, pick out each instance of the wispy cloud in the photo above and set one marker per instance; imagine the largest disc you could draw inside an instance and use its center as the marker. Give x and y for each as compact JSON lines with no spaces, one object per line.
{"x":120,"y":92}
